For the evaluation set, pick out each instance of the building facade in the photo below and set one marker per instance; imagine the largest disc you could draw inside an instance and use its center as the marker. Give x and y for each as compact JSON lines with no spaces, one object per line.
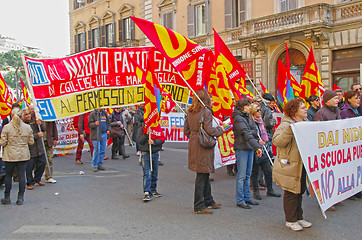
{"x":255,"y":31}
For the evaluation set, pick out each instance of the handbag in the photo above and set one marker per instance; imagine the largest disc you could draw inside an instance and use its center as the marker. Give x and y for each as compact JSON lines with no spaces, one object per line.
{"x":116,"y":132}
{"x":205,"y":140}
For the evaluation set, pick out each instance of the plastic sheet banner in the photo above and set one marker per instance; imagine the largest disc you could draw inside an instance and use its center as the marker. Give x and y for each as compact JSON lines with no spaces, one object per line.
{"x":67,"y":138}
{"x":173,"y":126}
{"x":100,"y":77}
{"x":332,"y":156}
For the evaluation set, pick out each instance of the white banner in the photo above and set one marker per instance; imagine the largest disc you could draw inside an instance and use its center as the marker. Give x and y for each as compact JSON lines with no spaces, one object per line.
{"x":67,"y":137}
{"x":332,"y":156}
{"x":173,"y":126}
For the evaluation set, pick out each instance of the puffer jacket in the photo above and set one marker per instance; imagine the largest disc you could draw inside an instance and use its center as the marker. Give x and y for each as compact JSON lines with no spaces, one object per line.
{"x":16,"y":147}
{"x":92,"y":118}
{"x":327,"y":113}
{"x":142,"y":140}
{"x":245,"y":131}
{"x":288,"y":165}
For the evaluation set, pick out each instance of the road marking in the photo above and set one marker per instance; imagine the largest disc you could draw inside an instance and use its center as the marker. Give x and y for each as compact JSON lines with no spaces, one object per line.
{"x":61,"y":229}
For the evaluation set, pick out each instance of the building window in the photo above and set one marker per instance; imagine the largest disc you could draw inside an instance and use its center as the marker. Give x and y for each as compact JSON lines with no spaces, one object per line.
{"x":79,"y":42}
{"x":234,"y":13}
{"x":126,"y":30}
{"x":78,"y":3}
{"x":109,"y":35}
{"x":167,"y":20}
{"x":200,"y":16}
{"x":286,"y":5}
{"x":93,"y":38}
{"x":90,"y":1}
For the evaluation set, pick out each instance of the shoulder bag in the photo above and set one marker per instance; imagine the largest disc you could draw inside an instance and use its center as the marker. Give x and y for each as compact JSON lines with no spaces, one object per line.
{"x":205,"y":140}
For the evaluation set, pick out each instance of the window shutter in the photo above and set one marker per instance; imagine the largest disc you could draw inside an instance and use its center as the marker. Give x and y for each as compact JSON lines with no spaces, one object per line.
{"x":132,"y":30}
{"x":191,"y":20}
{"x":120,"y":30}
{"x":84,"y":46}
{"x":90,"y":38}
{"x":207,"y":16}
{"x":98,"y":36}
{"x":113,"y":35}
{"x":292,"y":4}
{"x":76,"y":43}
{"x":242,"y":16}
{"x":103,"y":36}
{"x":228,"y":14}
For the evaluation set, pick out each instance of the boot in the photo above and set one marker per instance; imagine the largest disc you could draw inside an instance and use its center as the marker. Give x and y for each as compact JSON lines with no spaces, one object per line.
{"x":114,"y":155}
{"x":257,"y":195}
{"x":271,"y":193}
{"x":20,"y":200}
{"x":6,"y":199}
{"x":123,"y":152}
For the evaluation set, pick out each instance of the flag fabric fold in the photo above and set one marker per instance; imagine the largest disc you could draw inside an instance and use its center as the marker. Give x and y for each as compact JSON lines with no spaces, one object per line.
{"x":5,"y":99}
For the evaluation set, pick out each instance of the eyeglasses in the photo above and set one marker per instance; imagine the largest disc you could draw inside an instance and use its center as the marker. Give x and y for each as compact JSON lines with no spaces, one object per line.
{"x":358,"y":89}
{"x":317,"y":99}
{"x":259,"y":110}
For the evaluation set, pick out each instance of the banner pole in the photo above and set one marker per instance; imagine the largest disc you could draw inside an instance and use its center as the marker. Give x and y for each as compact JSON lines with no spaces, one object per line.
{"x":255,"y":89}
{"x":266,"y":151}
{"x":35,"y":108}
{"x":149,"y":138}
{"x":129,"y":138}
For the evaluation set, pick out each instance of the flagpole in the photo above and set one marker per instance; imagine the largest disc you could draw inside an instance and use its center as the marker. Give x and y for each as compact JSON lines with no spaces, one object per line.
{"x":255,"y":88}
{"x":266,"y":151}
{"x":149,"y":138}
{"x":188,"y":85}
{"x":35,"y":108}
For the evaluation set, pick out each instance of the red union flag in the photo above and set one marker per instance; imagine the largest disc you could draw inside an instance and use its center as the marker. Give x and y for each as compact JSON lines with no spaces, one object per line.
{"x":232,"y":67}
{"x":178,"y":50}
{"x":5,"y":99}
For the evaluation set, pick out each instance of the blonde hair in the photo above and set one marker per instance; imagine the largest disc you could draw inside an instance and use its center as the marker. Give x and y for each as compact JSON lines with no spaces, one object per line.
{"x":253,"y":108}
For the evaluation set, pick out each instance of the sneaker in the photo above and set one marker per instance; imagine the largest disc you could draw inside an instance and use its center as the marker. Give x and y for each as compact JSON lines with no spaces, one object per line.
{"x":101,"y":168}
{"x":160,"y":163}
{"x":147,"y":197}
{"x":51,"y":180}
{"x":138,"y":153}
{"x":304,"y":223}
{"x":79,"y":162}
{"x":156,"y":195}
{"x":295,"y":226}
{"x":94,"y":169}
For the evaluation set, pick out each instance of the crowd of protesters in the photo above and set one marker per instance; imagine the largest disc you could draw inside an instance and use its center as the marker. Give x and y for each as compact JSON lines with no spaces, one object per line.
{"x":255,"y":131}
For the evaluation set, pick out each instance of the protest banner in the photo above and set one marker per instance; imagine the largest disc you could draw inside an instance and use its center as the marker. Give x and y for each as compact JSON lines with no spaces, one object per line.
{"x":100,"y":77}
{"x":67,"y":138}
{"x":173,"y":126}
{"x":332,"y":156}
{"x":224,"y":151}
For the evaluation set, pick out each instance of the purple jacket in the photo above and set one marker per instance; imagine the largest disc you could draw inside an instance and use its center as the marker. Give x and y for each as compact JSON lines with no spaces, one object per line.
{"x":347,"y":111}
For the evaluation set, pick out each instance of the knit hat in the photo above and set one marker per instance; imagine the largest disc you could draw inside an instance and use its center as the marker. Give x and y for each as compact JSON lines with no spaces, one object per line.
{"x":268,"y":96}
{"x":328,"y":95}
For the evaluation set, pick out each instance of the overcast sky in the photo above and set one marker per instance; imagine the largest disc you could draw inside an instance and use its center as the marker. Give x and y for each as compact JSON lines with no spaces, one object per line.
{"x":37,"y":23}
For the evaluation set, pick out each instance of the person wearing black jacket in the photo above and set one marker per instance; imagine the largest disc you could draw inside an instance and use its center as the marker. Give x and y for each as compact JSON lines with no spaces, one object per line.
{"x":118,"y":134}
{"x":246,"y":142}
{"x":149,"y":176}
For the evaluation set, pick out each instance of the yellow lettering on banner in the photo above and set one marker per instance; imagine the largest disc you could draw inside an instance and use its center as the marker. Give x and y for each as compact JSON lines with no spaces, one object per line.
{"x":77,"y":103}
{"x":178,"y":93}
{"x":321,"y":139}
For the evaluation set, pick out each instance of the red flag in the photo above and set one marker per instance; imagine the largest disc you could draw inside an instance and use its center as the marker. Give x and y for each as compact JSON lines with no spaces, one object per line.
{"x":312,"y":82}
{"x":26,"y":96}
{"x":5,"y":99}
{"x":232,"y":67}
{"x":263,"y":87}
{"x":297,"y":89}
{"x":335,"y":87}
{"x":178,"y":50}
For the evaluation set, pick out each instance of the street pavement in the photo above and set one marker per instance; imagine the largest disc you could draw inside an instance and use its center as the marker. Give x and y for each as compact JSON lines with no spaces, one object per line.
{"x":108,"y":205}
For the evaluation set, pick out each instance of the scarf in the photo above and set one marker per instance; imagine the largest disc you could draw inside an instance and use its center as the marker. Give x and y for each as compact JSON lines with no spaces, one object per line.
{"x":263,"y":133}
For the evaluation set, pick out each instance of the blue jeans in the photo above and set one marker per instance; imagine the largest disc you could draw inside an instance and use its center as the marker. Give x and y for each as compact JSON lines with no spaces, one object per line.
{"x":244,"y":163}
{"x":99,"y":151}
{"x":150,"y":177}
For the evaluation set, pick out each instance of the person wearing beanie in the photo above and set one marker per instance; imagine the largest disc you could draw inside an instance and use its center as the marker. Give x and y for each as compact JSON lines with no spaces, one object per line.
{"x":329,"y":111}
{"x":267,"y":110}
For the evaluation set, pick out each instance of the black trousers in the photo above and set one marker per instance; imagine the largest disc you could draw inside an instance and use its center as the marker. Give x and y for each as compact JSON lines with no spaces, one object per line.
{"x":203,"y":197}
{"x":9,"y":170}
{"x":118,"y":145}
{"x":292,"y":203}
{"x":38,"y":165}
{"x":268,"y":173}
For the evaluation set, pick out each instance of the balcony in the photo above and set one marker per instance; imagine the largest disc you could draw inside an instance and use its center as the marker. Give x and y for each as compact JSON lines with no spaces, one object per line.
{"x":129,"y":43}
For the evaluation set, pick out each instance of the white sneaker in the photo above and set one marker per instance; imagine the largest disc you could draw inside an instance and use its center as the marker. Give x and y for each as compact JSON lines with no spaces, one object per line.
{"x":51,"y":180}
{"x":138,"y":153}
{"x":295,"y":226}
{"x":304,"y":223}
